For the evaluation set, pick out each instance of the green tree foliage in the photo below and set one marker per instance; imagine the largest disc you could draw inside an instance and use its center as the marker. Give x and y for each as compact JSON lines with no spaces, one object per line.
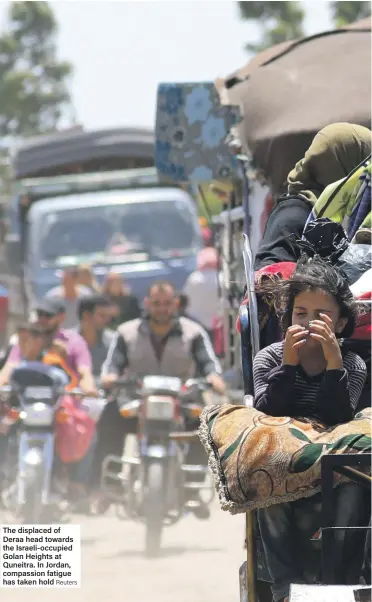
{"x":33,"y":82}
{"x":282,"y":21}
{"x":344,"y":13}
{"x":278,"y":21}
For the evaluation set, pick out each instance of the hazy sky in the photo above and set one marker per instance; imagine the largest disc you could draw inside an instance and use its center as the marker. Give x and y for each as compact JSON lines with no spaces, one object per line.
{"x":121,"y":50}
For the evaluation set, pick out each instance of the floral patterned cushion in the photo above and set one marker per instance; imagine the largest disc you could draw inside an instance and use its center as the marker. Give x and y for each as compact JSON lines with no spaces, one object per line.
{"x":260,"y":460}
{"x":191,"y":131}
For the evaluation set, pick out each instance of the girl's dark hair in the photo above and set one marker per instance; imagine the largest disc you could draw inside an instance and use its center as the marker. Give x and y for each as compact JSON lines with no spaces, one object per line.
{"x":313,"y":274}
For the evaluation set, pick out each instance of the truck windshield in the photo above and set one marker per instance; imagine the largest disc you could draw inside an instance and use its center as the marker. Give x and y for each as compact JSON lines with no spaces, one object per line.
{"x":128,"y":232}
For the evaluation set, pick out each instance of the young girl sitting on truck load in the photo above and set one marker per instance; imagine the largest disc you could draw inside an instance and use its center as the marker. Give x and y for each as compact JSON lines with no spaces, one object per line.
{"x":308,"y":376}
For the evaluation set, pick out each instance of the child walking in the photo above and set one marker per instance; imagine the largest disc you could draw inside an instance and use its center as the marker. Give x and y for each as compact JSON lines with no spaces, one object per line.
{"x":308,"y":376}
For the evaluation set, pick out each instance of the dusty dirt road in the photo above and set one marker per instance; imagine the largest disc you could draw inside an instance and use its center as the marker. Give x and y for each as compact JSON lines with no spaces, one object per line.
{"x":200,"y":563}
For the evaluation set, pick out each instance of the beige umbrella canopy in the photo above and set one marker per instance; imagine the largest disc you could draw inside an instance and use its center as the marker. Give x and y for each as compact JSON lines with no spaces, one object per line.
{"x":290,"y":91}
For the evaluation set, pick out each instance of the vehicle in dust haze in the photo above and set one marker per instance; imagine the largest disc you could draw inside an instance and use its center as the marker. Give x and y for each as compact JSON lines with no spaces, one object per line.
{"x":154,"y":484}
{"x":31,"y":406}
{"x":96,"y":213}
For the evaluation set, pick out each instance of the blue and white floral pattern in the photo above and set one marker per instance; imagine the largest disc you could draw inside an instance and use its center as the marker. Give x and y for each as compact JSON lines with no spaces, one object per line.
{"x":171,"y":97}
{"x":191,"y":131}
{"x":213,"y":131}
{"x":198,"y":104}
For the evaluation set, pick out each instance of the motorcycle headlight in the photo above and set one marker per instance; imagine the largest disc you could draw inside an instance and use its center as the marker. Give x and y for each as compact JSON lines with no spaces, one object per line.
{"x":37,"y":414}
{"x":160,"y":408}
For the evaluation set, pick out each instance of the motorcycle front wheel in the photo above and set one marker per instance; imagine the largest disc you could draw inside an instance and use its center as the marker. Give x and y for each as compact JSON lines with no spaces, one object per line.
{"x":33,"y":509}
{"x":154,"y":508}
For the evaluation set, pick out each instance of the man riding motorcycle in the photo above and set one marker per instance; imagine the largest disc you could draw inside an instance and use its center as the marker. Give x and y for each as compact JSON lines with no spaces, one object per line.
{"x":31,"y":341}
{"x":159,"y":344}
{"x":163,"y":344}
{"x":47,"y":342}
{"x":50,"y":314}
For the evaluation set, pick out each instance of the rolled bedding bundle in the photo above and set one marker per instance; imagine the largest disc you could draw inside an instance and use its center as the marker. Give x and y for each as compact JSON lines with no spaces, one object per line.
{"x":259,"y":460}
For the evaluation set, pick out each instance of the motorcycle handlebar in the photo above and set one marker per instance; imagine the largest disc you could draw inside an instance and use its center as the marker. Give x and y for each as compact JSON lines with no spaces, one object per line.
{"x":134,"y":384}
{"x":198,"y":382}
{"x":6,"y":390}
{"x":74,"y":392}
{"x":122,"y":383}
{"x":127,"y":382}
{"x":79,"y":393}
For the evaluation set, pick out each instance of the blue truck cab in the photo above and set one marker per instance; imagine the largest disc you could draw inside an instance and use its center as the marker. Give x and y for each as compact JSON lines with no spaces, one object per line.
{"x":95,"y":197}
{"x":126,"y":221}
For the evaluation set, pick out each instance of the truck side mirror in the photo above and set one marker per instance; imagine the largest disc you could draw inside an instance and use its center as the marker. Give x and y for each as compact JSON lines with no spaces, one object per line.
{"x":13,"y":255}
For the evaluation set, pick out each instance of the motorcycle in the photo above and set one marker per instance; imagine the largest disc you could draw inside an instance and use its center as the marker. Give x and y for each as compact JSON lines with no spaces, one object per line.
{"x":30,"y":410}
{"x":154,"y":482}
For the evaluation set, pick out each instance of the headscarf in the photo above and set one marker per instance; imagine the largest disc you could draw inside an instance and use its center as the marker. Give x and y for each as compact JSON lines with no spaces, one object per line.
{"x":57,"y":356}
{"x":347,"y":201}
{"x":335,"y":151}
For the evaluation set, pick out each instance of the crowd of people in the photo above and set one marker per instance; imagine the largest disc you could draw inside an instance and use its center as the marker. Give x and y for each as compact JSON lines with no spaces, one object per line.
{"x":199,"y":299}
{"x":98,"y":334}
{"x":312,"y":366}
{"x":78,"y":282}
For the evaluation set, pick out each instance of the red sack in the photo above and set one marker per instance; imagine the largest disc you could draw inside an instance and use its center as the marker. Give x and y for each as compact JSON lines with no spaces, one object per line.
{"x":363,"y":328}
{"x":74,"y":431}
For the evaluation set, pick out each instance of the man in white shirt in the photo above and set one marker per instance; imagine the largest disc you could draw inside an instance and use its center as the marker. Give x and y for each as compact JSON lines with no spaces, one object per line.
{"x":70,"y":292}
{"x":201,"y":288}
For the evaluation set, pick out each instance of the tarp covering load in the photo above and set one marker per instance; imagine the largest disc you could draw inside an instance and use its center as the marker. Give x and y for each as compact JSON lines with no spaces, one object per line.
{"x":78,"y":151}
{"x":291,"y":91}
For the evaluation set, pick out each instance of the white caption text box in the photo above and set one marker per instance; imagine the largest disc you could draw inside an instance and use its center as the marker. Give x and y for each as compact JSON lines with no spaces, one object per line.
{"x":40,"y":556}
